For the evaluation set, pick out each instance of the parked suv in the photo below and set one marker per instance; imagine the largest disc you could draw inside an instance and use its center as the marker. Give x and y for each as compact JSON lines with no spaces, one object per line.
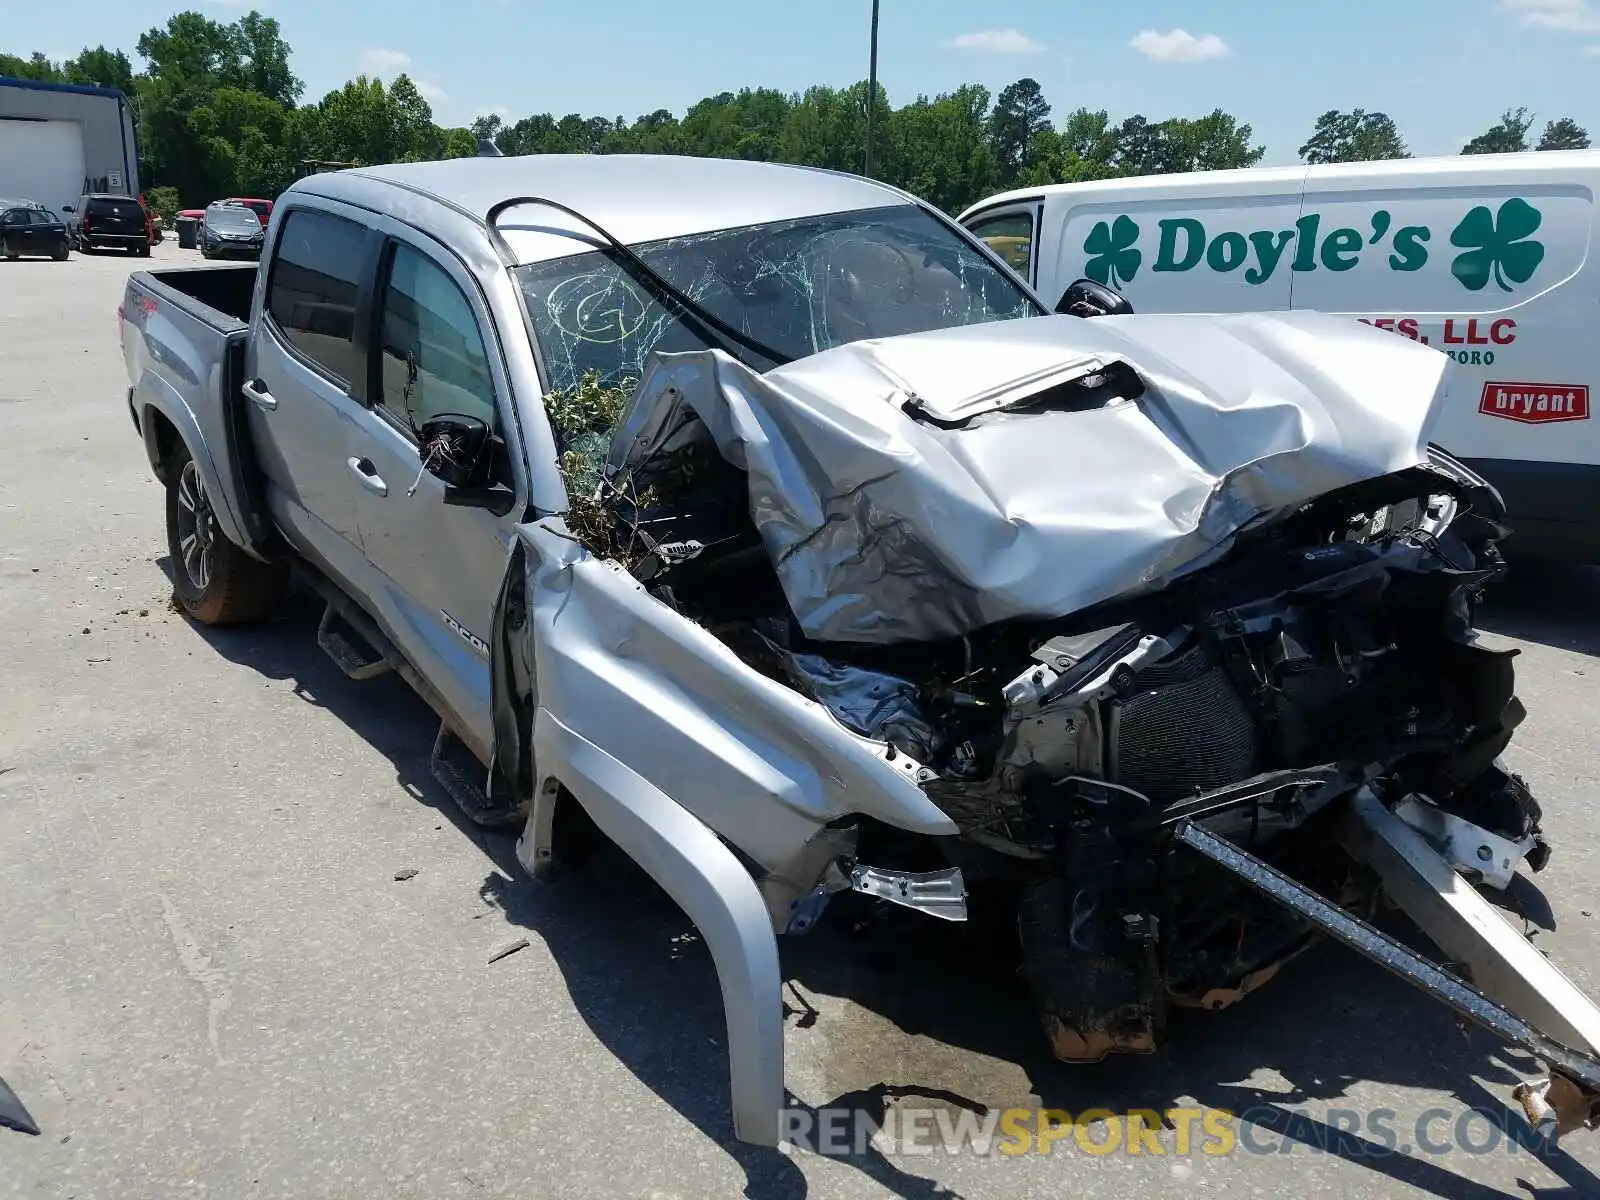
{"x":100,"y":220}
{"x":28,"y":228}
{"x":230,"y":230}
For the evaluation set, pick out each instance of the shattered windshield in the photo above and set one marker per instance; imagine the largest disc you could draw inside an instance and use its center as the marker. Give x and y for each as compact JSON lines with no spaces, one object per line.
{"x":797,"y":287}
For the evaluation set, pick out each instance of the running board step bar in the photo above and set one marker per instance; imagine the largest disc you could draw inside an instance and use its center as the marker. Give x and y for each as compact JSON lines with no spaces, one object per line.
{"x":343,"y":643}
{"x":464,"y":778}
{"x":1579,"y":1066}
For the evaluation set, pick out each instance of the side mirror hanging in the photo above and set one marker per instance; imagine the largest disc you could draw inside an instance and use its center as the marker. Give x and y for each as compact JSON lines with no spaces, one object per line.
{"x":1086,"y":298}
{"x":455,"y":448}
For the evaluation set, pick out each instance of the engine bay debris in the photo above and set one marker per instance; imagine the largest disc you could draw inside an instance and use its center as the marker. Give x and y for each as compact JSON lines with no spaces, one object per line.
{"x":1149,"y":605}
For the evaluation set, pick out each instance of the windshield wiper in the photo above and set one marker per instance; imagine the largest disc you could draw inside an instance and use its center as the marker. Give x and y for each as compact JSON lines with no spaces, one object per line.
{"x":646,"y":275}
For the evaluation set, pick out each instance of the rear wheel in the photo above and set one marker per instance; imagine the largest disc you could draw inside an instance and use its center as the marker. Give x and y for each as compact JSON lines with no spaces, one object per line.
{"x":144,"y":250}
{"x":61,"y":252}
{"x":215,"y":581}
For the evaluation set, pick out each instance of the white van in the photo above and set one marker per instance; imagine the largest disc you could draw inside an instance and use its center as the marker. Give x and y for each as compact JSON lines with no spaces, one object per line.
{"x":1483,"y":256}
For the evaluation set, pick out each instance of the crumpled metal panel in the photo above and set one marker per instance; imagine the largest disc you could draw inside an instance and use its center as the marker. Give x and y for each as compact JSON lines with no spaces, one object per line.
{"x":888,"y":528}
{"x":875,"y":704}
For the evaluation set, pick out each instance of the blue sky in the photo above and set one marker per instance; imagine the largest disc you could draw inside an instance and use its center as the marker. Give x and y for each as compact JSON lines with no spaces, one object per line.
{"x":1444,"y":69}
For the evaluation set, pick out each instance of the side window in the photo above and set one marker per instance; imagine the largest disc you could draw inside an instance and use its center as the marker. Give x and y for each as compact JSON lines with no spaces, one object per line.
{"x":316,"y":273}
{"x":1011,"y":237}
{"x":433,"y":360}
{"x":16,"y":216}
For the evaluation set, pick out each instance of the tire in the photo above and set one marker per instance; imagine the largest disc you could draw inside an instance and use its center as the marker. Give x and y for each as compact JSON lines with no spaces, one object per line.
{"x":144,"y":250}
{"x":215,"y":581}
{"x":61,"y":254}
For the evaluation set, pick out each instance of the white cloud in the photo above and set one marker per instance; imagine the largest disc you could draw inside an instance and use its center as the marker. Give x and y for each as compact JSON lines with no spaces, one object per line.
{"x":1572,"y":16}
{"x":1593,"y":50}
{"x":997,"y":41}
{"x":377,"y":61}
{"x":431,"y":92}
{"x":1179,"y":45}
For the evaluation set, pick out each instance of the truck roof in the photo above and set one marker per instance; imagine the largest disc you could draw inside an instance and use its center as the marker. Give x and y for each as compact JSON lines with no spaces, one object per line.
{"x":634,"y":197}
{"x":1452,"y":164}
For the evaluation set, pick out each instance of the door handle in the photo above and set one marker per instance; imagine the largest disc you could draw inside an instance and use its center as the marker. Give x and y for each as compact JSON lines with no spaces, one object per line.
{"x":257,"y":391}
{"x":368,"y":475}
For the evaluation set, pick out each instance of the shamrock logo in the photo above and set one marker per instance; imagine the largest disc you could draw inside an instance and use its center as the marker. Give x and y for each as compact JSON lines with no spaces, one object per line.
{"x":1497,"y":245}
{"x":1113,"y":261}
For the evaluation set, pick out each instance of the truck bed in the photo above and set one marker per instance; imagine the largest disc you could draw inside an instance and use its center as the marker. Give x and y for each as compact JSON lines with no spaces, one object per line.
{"x":220,"y":296}
{"x":185,"y":334}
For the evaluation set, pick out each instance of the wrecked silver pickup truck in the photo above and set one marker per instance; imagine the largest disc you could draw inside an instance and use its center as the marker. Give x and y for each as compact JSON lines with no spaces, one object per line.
{"x":762,"y":516}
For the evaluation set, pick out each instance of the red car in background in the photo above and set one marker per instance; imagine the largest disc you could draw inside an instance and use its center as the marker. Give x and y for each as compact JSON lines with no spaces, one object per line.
{"x":262,"y":208}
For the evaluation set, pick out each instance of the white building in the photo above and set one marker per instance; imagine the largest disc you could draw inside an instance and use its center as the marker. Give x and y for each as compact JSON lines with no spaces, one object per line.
{"x":60,"y":140}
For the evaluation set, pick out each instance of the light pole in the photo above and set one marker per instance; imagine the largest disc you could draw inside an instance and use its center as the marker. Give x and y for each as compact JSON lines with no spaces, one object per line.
{"x":872,"y":87}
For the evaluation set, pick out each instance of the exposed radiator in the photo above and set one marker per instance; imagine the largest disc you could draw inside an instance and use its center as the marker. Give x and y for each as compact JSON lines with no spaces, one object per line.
{"x":1186,"y":729}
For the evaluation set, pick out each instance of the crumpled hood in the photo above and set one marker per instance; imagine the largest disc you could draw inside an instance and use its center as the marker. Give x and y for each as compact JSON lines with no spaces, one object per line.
{"x":891,"y":521}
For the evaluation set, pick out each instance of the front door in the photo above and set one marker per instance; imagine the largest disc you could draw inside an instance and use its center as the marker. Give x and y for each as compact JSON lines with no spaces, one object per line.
{"x":1012,"y":233}
{"x":303,"y":380}
{"x":438,"y":567}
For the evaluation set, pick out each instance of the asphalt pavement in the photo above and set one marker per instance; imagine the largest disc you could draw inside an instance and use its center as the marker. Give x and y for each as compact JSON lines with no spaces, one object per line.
{"x":245,"y":941}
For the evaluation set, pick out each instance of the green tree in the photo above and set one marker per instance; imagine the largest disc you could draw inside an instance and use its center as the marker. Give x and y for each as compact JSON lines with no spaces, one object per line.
{"x":240,"y":138}
{"x":218,"y":111}
{"x":1021,"y":116}
{"x":101,"y":67}
{"x":192,"y":48}
{"x":1354,"y":136}
{"x":368,"y":123}
{"x":940,"y":148}
{"x":827,"y":127}
{"x":1564,"y":134}
{"x":1508,"y":135}
{"x":654,"y":133}
{"x":1214,"y":142}
{"x":458,"y":143}
{"x":1083,"y":148}
{"x":263,"y":59}
{"x":748,"y":124}
{"x":36,"y":67}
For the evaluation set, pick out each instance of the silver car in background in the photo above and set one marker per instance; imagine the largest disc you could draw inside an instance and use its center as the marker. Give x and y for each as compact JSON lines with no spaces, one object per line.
{"x":231,"y":231}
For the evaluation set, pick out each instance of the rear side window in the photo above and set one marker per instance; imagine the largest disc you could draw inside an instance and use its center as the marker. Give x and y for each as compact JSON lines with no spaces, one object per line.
{"x":311,"y":295}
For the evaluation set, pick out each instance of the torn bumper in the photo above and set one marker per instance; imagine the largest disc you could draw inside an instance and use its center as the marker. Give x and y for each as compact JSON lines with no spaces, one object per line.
{"x":1508,"y":988}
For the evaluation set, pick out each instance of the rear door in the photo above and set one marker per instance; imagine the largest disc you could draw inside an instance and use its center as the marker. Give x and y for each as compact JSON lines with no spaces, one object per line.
{"x":437,"y":567}
{"x":305,"y":379}
{"x":36,"y":231}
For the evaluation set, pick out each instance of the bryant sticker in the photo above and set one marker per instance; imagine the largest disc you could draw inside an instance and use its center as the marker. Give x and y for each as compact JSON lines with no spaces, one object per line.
{"x":1535,"y":403}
